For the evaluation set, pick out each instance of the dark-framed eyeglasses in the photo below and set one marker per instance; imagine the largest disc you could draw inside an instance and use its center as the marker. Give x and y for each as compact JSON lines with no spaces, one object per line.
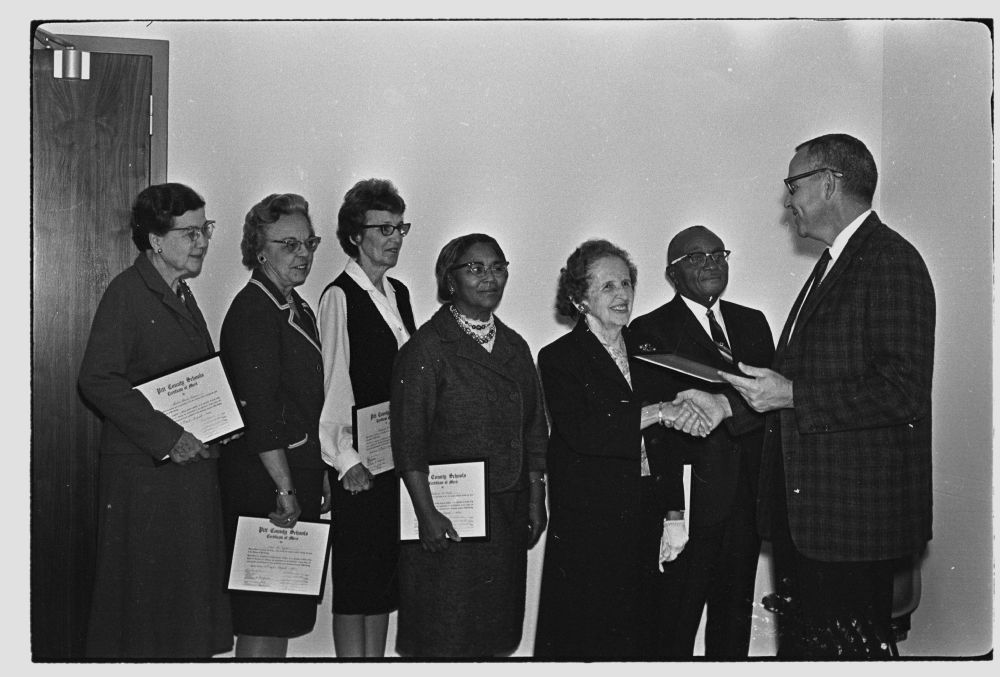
{"x":479,"y":269}
{"x":790,"y":181}
{"x":698,"y":259}
{"x":387,"y":228}
{"x":192,"y":232}
{"x":292,"y":245}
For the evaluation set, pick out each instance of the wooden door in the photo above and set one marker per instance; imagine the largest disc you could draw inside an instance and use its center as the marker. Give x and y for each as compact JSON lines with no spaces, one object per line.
{"x":91,"y":155}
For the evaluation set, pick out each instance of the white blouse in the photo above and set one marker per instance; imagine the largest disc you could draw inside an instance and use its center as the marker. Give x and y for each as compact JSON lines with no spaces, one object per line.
{"x":335,"y":427}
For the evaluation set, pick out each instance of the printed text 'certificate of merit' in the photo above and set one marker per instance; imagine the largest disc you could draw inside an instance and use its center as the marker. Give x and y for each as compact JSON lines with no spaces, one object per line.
{"x":371,"y":437}
{"x":267,"y":558}
{"x":197,"y":397}
{"x":459,"y":493}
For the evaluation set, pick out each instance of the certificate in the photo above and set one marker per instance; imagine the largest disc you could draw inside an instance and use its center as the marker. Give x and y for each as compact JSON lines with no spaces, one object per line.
{"x":686,"y":366}
{"x":197,"y":397}
{"x":371,"y":437}
{"x":267,"y":558}
{"x":459,"y":493}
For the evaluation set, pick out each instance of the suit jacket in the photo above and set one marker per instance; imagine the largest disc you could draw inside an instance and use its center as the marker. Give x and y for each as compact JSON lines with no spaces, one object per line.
{"x":732,"y":448}
{"x":594,"y":447}
{"x":452,"y":400}
{"x":856,"y":447}
{"x":141,"y":330}
{"x":275,"y":364}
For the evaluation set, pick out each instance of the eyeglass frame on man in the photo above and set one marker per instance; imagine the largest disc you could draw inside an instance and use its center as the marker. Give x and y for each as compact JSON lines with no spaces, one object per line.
{"x":724,"y":253}
{"x":790,"y":181}
{"x":469,"y":265}
{"x":292,"y":244}
{"x":387,"y":228}
{"x":191,"y":232}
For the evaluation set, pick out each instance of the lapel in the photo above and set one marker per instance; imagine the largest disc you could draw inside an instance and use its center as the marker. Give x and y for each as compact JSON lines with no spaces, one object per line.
{"x":305,"y":324}
{"x":691,"y":329}
{"x":597,"y":355}
{"x":844,"y":261}
{"x":156,"y":284}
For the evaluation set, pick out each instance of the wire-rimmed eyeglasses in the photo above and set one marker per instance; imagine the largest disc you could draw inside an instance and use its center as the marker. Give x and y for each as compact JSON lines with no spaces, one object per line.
{"x":192,"y":232}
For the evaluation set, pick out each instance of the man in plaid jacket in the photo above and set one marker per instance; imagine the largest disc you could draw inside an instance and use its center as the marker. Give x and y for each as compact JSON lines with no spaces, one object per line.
{"x":846,"y":474}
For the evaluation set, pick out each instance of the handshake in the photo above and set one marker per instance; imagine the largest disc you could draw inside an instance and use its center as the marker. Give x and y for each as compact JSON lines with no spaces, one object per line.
{"x":695,"y":412}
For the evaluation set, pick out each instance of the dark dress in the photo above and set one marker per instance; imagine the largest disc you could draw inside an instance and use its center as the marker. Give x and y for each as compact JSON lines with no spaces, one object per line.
{"x":366,"y":525}
{"x":160,"y":585}
{"x":452,"y":400}
{"x":273,"y":359}
{"x":593,"y":578}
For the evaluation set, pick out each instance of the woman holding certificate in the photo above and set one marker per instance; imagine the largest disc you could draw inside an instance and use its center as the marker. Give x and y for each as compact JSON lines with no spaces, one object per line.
{"x":365,"y":317}
{"x":270,"y":346}
{"x":159,"y":591}
{"x":608,"y":497}
{"x":464,"y":388}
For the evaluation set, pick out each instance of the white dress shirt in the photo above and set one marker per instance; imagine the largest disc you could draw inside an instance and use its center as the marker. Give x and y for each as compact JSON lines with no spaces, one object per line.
{"x":701,"y":314}
{"x":335,"y":427}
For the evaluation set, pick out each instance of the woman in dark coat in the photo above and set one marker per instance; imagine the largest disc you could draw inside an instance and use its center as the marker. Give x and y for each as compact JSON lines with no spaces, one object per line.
{"x":602,"y":486}
{"x":160,"y":585}
{"x":464,"y":388}
{"x":365,"y":316}
{"x":270,"y":346}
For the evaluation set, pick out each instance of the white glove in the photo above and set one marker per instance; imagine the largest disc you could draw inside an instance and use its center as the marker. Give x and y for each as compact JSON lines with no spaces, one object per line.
{"x":672,"y":541}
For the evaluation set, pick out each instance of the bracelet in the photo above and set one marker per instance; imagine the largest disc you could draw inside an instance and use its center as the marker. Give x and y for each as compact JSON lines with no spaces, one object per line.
{"x":290,"y":492}
{"x":659,"y":413}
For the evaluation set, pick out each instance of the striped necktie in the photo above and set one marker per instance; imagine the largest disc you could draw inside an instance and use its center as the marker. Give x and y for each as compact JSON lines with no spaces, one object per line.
{"x":719,"y":337}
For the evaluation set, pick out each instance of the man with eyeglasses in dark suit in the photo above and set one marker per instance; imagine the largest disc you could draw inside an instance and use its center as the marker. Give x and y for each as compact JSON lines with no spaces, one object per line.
{"x":717,"y":566}
{"x":845,"y":487}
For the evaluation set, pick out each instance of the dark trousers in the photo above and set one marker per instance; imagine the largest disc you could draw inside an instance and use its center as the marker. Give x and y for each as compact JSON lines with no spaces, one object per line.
{"x":717,"y":570}
{"x":834,"y":609}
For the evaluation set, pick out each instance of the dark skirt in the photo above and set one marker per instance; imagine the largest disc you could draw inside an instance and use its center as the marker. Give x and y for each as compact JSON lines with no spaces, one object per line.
{"x":247,"y":489}
{"x":161,"y":564}
{"x":365,"y":547}
{"x":467,"y":601}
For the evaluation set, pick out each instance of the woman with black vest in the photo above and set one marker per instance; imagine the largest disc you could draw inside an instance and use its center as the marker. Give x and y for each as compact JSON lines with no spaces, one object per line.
{"x":364,"y":319}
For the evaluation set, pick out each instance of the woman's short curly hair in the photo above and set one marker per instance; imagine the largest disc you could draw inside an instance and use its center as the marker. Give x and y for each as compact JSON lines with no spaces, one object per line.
{"x":265,"y":212}
{"x":574,"y":279}
{"x":366,"y":195}
{"x":452,"y":253}
{"x":156,"y":207}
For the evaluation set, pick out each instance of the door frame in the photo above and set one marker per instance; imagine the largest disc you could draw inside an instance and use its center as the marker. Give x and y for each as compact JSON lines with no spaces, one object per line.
{"x":160,"y":51}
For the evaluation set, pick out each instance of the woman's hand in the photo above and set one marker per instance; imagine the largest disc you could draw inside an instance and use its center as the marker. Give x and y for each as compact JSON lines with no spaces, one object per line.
{"x":188,"y":449}
{"x":327,"y":503}
{"x":357,"y":478}
{"x":435,"y":532}
{"x":538,"y":518}
{"x":287,"y":513}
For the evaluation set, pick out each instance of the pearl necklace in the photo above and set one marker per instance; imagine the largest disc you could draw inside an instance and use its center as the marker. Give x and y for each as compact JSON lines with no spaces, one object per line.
{"x":481,"y":332}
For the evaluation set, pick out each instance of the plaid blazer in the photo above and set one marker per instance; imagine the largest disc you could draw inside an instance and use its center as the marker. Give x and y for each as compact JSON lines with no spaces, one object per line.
{"x":856,"y":447}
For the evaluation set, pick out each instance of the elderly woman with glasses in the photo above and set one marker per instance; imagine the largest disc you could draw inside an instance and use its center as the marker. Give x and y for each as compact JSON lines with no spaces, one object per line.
{"x":465,"y":388}
{"x":271,"y":350}
{"x":365,"y":317}
{"x":159,"y":590}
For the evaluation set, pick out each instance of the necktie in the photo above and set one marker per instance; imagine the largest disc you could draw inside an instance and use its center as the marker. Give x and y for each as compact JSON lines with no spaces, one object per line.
{"x":818,"y":272}
{"x":719,"y":337}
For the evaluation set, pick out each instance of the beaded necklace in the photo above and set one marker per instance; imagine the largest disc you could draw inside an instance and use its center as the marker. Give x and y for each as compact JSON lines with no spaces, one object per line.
{"x":481,"y":332}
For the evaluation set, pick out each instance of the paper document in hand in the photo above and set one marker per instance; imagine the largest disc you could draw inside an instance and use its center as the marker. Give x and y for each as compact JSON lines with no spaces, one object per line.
{"x":685,"y":366}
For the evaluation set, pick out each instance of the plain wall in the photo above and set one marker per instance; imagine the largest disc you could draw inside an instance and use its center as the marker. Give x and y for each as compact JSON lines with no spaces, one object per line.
{"x":544,"y":134}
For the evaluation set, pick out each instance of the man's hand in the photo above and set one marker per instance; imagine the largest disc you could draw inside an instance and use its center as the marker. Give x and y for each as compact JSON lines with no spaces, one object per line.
{"x":710,"y":408}
{"x":764,"y":390}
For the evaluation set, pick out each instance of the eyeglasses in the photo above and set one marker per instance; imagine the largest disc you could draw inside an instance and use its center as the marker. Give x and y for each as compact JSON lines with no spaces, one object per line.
{"x":292,"y":245}
{"x":479,"y":269}
{"x":387,"y":228}
{"x":699,"y":259}
{"x":790,"y":181}
{"x":192,"y":232}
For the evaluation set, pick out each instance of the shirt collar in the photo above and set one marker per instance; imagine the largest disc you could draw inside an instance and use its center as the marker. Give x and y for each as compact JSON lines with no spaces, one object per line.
{"x":700,"y":310}
{"x":843,"y":236}
{"x":358,"y":274}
